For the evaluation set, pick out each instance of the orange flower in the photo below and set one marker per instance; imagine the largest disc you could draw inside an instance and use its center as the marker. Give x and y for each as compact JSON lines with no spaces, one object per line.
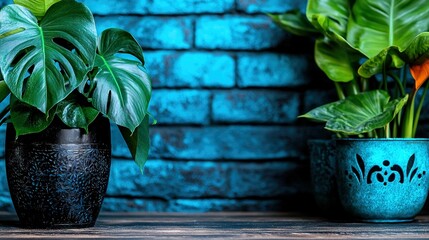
{"x":420,"y":73}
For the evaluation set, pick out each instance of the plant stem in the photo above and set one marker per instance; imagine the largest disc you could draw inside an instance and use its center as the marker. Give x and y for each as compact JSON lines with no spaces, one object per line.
{"x":340,"y":91}
{"x":364,"y":83}
{"x":387,"y":130}
{"x":419,"y":109}
{"x":398,"y":83}
{"x":354,"y":87}
{"x":407,"y":129}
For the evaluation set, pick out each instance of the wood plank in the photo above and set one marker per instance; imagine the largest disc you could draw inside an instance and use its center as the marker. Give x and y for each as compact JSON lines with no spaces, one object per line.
{"x":219,"y":225}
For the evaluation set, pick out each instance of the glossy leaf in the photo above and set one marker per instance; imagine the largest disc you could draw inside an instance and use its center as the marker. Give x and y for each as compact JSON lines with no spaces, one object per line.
{"x":335,"y":61}
{"x":43,"y":63}
{"x":330,"y":16}
{"x":121,"y":88}
{"x":377,"y":25}
{"x":74,"y":111}
{"x":323,"y":113}
{"x":388,"y":57}
{"x":138,"y":142}
{"x":37,"y":7}
{"x":415,"y":54}
{"x":27,"y":119}
{"x":295,"y":22}
{"x":365,"y":112}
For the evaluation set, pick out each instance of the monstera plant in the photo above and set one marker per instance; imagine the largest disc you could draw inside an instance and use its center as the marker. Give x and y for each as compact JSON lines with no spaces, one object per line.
{"x":64,"y":86}
{"x":54,"y":66}
{"x":368,"y":47}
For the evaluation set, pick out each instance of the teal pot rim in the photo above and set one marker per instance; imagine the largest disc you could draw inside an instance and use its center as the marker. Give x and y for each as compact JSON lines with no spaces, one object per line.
{"x":381,"y":139}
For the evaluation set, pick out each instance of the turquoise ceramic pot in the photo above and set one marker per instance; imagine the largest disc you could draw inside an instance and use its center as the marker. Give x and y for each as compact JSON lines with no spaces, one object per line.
{"x":323,"y":177}
{"x":382,"y":180}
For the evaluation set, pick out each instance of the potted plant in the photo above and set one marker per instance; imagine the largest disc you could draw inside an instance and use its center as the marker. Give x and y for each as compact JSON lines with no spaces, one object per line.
{"x":376,"y":53}
{"x":65,"y":85}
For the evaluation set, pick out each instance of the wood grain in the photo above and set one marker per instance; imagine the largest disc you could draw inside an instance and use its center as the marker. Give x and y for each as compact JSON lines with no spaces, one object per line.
{"x":220,"y":225}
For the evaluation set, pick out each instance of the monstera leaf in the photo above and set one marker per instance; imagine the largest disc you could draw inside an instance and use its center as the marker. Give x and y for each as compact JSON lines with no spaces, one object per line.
{"x":75,"y":111}
{"x":295,"y":22}
{"x":364,"y":112}
{"x":37,"y":7}
{"x":122,"y":88}
{"x":27,"y":119}
{"x":377,"y":25}
{"x":44,"y":62}
{"x":138,"y":142}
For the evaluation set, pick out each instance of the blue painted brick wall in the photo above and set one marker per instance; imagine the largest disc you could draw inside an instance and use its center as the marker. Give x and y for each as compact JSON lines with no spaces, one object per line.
{"x":228,"y":87}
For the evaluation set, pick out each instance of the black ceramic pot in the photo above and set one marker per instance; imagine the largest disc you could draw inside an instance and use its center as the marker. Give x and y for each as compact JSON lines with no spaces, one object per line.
{"x":58,"y":178}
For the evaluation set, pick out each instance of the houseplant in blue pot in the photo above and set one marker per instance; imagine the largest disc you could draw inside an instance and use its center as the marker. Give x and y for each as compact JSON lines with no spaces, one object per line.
{"x":370,"y":48}
{"x":65,"y":86}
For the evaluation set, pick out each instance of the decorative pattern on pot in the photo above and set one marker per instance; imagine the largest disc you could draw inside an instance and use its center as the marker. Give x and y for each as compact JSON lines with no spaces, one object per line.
{"x":385,"y":173}
{"x":383,"y":180}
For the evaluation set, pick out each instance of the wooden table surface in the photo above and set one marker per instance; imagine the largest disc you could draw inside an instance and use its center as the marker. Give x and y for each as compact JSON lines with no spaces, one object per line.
{"x":221,"y":225}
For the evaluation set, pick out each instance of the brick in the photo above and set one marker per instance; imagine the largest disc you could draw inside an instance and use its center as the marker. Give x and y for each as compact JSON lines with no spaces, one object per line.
{"x":190,"y":69}
{"x":271,"y":6}
{"x":170,"y":7}
{"x":269,"y":179}
{"x":168,"y":179}
{"x":207,"y":179}
{"x":255,"y":106}
{"x":6,"y":202}
{"x":153,"y":32}
{"x":101,"y":7}
{"x":237,"y":32}
{"x":206,"y":205}
{"x":134,"y":205}
{"x":316,"y":98}
{"x":3,"y":180}
{"x":272,"y":70}
{"x":228,"y":142}
{"x":180,"y":106}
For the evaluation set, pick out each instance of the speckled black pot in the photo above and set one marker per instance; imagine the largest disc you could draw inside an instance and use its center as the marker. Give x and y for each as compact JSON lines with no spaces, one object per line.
{"x":58,"y":178}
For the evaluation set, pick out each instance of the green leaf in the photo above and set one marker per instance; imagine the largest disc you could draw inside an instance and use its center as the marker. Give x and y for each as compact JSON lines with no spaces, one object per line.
{"x":43,"y":63}
{"x":37,"y":7}
{"x":389,"y":57}
{"x":337,"y":62}
{"x":295,"y":22}
{"x":138,"y":142}
{"x":329,"y":16}
{"x":365,"y":112}
{"x":121,"y":88}
{"x":4,"y":90}
{"x":27,"y":119}
{"x":418,"y":49}
{"x":75,"y":111}
{"x":377,"y":25}
{"x":323,"y":113}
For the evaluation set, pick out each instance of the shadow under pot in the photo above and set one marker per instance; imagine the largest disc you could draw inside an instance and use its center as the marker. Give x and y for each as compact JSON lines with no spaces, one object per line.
{"x":382,"y":180}
{"x":58,"y":178}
